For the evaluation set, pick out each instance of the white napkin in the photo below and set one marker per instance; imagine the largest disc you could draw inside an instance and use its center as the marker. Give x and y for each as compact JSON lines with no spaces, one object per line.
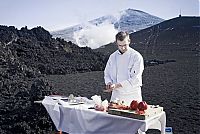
{"x":105,"y":104}
{"x":97,"y":99}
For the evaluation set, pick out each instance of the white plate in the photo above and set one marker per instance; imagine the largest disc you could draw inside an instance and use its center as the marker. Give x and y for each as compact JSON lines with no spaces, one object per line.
{"x":75,"y":103}
{"x":56,"y":97}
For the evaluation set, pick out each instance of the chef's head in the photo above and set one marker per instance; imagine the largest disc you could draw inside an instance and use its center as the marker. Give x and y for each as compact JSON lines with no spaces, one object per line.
{"x":122,"y":41}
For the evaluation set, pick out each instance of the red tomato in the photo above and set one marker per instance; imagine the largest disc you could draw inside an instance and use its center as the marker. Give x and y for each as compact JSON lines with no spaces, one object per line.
{"x":134,"y":105}
{"x":142,"y":106}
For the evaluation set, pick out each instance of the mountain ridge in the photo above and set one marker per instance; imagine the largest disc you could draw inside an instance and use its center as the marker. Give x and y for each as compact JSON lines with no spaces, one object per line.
{"x":169,"y":32}
{"x":128,"y":20}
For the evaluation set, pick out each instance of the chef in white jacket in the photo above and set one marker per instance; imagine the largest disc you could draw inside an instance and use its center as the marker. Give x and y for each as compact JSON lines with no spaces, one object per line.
{"x":123,"y":71}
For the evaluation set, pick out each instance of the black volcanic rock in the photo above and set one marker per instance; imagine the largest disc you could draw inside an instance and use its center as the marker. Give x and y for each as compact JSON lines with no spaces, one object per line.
{"x":26,"y":56}
{"x":20,"y":85}
{"x":36,"y":48}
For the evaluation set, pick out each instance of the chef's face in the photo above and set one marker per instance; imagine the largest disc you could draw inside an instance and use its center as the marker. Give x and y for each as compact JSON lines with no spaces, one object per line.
{"x":123,"y":45}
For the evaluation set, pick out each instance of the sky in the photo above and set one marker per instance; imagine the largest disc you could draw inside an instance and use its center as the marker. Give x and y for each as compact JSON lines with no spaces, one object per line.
{"x":59,"y":14}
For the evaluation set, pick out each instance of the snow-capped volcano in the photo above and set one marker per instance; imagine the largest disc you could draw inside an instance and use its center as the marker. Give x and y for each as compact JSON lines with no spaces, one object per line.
{"x":101,"y":31}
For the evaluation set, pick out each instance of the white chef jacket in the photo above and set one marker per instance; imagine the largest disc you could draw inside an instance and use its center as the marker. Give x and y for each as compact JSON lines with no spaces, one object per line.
{"x":126,"y":69}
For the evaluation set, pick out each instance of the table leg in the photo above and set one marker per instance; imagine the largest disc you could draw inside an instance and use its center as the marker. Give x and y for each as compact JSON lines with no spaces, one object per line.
{"x":140,"y":132}
{"x":163,"y":123}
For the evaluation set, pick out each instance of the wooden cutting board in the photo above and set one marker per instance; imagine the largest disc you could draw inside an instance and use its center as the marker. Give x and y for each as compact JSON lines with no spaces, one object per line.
{"x":151,"y":111}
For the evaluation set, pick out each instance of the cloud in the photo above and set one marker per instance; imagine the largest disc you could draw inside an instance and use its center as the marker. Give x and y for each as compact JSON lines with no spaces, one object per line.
{"x":95,"y":36}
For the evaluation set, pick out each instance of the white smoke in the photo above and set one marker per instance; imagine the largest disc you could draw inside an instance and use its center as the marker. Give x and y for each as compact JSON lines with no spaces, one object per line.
{"x":95,"y":36}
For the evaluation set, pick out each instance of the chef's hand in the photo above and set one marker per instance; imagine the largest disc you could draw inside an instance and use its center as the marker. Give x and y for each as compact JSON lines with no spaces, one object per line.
{"x":110,"y":86}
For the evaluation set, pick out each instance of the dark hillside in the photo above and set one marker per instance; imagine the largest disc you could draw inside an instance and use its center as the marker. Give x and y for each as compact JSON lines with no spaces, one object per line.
{"x":171,"y":35}
{"x":20,"y":85}
{"x":36,"y":48}
{"x":26,"y":56}
{"x":178,"y":34}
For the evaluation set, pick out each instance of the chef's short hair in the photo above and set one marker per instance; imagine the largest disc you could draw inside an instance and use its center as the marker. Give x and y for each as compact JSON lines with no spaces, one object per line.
{"x":121,"y":35}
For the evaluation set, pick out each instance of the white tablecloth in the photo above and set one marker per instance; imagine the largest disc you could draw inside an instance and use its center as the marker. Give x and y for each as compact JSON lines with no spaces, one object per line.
{"x":78,"y":119}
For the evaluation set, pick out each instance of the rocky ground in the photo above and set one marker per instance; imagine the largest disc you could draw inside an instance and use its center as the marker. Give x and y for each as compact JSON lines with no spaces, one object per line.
{"x":26,"y":56}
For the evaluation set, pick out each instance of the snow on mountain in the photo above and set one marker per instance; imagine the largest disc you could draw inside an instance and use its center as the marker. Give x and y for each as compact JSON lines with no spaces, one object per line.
{"x":101,"y":31}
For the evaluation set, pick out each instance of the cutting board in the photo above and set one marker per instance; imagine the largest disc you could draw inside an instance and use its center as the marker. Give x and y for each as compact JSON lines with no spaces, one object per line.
{"x":151,"y":111}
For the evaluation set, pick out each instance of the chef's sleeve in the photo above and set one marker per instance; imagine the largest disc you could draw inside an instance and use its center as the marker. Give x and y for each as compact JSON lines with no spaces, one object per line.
{"x":107,"y":72}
